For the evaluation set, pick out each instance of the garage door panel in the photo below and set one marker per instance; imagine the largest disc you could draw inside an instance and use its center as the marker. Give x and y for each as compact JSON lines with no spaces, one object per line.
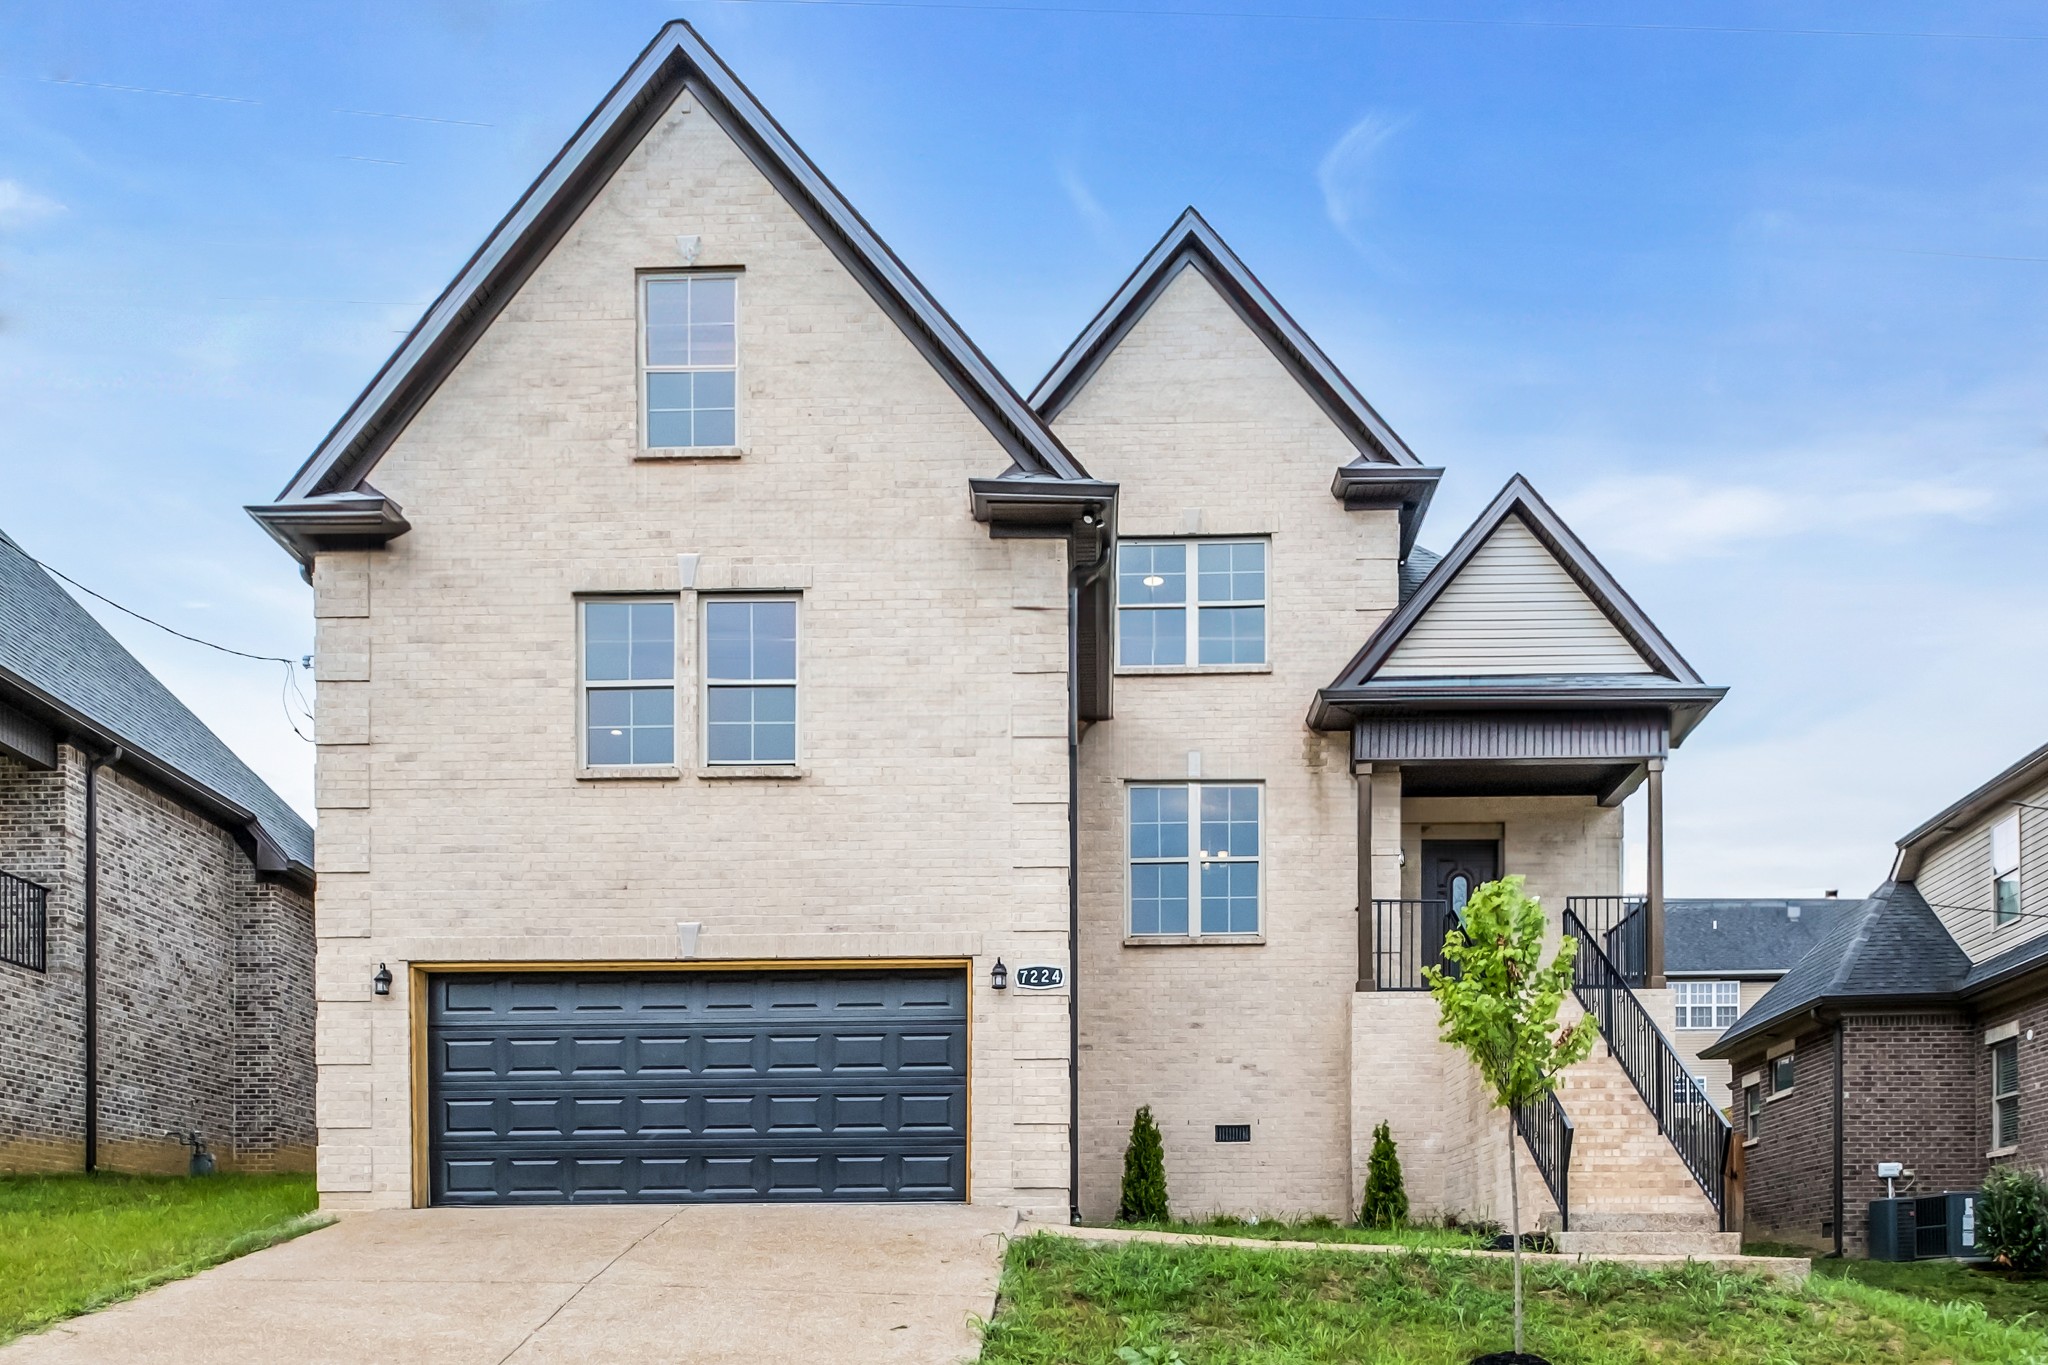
{"x":698,"y":1086}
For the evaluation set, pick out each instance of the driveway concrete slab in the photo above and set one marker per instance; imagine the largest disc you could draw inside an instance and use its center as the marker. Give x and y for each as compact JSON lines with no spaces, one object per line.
{"x":892,"y":1284}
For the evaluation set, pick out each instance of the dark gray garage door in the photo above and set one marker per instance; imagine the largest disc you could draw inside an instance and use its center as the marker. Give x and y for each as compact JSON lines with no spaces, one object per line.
{"x":663,"y":1087}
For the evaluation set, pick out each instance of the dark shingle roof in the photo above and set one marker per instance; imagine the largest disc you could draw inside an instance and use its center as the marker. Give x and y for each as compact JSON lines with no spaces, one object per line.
{"x":1745,"y":937}
{"x":1890,"y":947}
{"x":61,"y":657}
{"x":1415,"y":568}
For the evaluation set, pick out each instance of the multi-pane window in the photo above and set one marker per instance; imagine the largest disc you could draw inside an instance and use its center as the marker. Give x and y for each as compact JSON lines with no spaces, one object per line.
{"x":1781,"y":1074}
{"x":1194,"y":859}
{"x":1182,"y":602}
{"x":629,"y":683}
{"x":1707,"y":1004}
{"x":690,"y":358}
{"x":750,"y":679}
{"x":1753,"y":1111}
{"x":2005,"y":869}
{"x":2005,"y":1093}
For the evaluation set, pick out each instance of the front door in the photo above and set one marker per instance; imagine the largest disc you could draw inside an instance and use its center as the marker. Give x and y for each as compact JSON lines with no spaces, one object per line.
{"x":1452,"y":869}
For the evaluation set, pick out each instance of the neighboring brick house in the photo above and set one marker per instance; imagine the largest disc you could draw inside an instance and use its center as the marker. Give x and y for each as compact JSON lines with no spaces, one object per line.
{"x":156,"y":915}
{"x":1908,"y":1034}
{"x":716,"y":659}
{"x":1721,"y":957}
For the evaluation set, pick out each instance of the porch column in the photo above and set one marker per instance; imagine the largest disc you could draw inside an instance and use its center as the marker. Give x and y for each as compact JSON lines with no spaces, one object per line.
{"x":1361,"y":775}
{"x":1653,"y":927}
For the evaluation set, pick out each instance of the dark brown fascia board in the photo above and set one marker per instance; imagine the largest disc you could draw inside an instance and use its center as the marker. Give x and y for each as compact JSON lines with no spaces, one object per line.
{"x":1083,"y":513}
{"x":1335,"y":707}
{"x":1519,"y":498}
{"x":334,"y":521}
{"x":165,"y":776}
{"x":2000,"y":789}
{"x":677,"y":60}
{"x":1409,"y":488}
{"x":1054,"y":504}
{"x":1191,"y":242}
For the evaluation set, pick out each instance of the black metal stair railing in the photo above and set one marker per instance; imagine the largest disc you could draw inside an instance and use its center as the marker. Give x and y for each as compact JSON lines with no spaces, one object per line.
{"x":1689,"y":1120}
{"x":1620,"y":926}
{"x":1547,"y":1132}
{"x":24,"y":922}
{"x":1408,"y":936}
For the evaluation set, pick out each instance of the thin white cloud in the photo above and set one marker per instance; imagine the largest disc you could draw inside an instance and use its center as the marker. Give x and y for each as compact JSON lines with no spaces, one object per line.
{"x":1668,"y":517}
{"x":1345,"y":172}
{"x":1087,"y":205}
{"x":21,"y":206}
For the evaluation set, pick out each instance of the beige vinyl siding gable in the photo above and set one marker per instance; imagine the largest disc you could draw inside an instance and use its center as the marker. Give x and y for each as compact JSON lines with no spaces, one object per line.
{"x":1512,"y":609}
{"x":1956,"y":880}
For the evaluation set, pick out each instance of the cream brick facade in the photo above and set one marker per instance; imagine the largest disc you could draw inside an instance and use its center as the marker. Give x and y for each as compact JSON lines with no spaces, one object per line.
{"x":930,"y":819}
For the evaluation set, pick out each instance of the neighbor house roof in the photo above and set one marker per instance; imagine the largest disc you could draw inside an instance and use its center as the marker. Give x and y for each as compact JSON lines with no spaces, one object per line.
{"x":330,"y":486}
{"x":1745,"y":937}
{"x":1890,"y":948}
{"x":61,"y":666}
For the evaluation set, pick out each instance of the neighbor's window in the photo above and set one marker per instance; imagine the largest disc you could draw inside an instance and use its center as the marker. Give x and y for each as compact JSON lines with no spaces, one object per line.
{"x":1707,"y":1004}
{"x":1194,"y":859}
{"x":1158,"y":625}
{"x":1781,"y":1074}
{"x":750,"y":679}
{"x":1752,"y":1111}
{"x":2005,"y":869}
{"x":629,"y":683}
{"x":2005,"y":1093}
{"x":689,"y":357}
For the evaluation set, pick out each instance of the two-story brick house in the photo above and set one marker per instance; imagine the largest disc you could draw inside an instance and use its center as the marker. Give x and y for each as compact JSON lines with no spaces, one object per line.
{"x":778,"y":760}
{"x":1908,"y":1034}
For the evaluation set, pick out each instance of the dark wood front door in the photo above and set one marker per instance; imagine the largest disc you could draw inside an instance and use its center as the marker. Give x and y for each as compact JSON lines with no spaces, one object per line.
{"x":1452,"y":869}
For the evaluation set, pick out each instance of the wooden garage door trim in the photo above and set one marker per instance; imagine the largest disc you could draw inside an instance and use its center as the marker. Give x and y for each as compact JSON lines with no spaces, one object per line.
{"x":416,"y":987}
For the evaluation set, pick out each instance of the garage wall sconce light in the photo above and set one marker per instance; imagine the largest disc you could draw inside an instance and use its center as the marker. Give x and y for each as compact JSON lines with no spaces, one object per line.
{"x":999,"y":976}
{"x":381,"y":982}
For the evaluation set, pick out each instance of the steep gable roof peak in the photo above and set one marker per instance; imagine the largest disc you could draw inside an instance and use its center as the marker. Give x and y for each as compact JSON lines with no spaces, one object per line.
{"x":1191,"y":243}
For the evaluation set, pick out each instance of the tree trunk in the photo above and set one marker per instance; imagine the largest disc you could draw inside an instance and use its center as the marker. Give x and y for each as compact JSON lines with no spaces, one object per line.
{"x":1515,"y":1227}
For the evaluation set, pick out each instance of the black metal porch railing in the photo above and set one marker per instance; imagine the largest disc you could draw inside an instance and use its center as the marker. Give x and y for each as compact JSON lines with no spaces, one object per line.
{"x":1407,"y":937}
{"x":1696,"y":1129}
{"x":24,"y":923}
{"x":1621,"y":928}
{"x":1547,"y":1132}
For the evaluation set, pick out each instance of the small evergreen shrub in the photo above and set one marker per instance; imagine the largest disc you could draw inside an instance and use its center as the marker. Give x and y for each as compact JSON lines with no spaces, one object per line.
{"x":1386,"y":1197}
{"x":1144,"y":1196}
{"x":2012,"y":1218}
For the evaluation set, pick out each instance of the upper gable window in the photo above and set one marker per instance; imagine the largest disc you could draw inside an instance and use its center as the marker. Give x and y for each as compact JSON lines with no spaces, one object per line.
{"x":689,"y":355}
{"x":1159,"y":626}
{"x":2005,"y":869}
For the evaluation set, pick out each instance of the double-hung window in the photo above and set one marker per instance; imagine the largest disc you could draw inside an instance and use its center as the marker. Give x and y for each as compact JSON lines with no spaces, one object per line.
{"x":750,"y":680}
{"x":629,"y":683}
{"x":1782,"y":1073}
{"x":689,"y":360}
{"x":2005,"y":1093}
{"x":1195,"y":854}
{"x":1707,"y":1004}
{"x":1191,"y":602}
{"x":2005,"y":870}
{"x":1752,"y":1112}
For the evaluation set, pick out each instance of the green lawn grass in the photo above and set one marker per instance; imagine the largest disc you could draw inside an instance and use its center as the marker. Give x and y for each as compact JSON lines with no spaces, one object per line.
{"x":1069,"y":1301}
{"x":1324,"y":1230}
{"x":73,"y":1243}
{"x":2003,"y":1295}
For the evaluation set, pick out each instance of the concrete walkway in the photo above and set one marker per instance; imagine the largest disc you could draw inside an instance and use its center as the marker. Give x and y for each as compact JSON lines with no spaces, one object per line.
{"x":545,"y":1286}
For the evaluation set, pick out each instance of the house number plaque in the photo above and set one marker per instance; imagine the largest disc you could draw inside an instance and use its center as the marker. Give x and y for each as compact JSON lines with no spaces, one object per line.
{"x":1042,"y":978}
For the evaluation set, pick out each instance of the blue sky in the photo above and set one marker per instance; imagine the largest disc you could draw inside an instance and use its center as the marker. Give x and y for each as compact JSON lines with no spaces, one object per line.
{"x":1764,"y":313}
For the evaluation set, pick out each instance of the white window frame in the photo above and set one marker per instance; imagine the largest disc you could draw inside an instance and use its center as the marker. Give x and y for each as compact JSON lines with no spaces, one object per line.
{"x":1753,"y":1111}
{"x":705,"y":682}
{"x":585,"y":685}
{"x":1721,"y":995}
{"x":2000,"y":1138}
{"x":1193,"y":861}
{"x":2006,"y":868}
{"x":1788,"y":1059}
{"x":1191,"y":606}
{"x":640,"y":352}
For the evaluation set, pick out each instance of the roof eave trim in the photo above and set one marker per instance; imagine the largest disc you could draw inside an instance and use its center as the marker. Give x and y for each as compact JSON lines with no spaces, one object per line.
{"x":678,"y":59}
{"x":1407,"y":488}
{"x":2021,"y":775}
{"x":1192,"y":242}
{"x":351,"y":521}
{"x":1337,"y":708}
{"x":1053,"y":503}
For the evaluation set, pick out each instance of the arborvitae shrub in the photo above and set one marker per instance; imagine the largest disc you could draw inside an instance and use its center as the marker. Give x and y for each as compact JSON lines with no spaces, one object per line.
{"x":1386,"y":1197}
{"x":1144,"y":1197}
